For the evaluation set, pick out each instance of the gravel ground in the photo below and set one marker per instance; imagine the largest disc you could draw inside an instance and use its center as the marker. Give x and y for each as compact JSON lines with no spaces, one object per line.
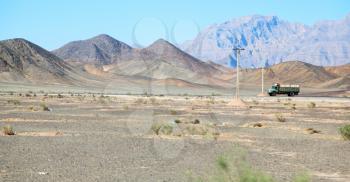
{"x":86,"y":138}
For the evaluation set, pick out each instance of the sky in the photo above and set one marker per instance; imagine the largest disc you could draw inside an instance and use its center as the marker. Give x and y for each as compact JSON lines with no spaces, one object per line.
{"x":51,"y":24}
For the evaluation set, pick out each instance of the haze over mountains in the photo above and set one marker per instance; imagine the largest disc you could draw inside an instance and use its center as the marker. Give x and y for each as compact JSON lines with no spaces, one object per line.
{"x":268,"y":40}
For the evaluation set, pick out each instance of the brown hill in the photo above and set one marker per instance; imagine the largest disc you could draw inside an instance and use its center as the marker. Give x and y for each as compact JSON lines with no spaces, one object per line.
{"x":290,"y":72}
{"x":102,"y":49}
{"x":343,"y":70}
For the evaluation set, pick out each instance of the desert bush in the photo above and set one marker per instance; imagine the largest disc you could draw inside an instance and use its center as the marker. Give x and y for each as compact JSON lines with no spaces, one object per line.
{"x":312,"y":131}
{"x":293,"y":106}
{"x":28,"y":95}
{"x":14,"y":102}
{"x":345,"y":132}
{"x":173,"y":112}
{"x":234,"y":167}
{"x":280,"y":118}
{"x":44,"y":107}
{"x":303,"y":177}
{"x":162,"y":128}
{"x":177,"y":121}
{"x":211,"y":100}
{"x":257,"y":125}
{"x":8,"y":130}
{"x":311,"y":105}
{"x":196,"y":129}
{"x":59,"y":96}
{"x":196,"y":121}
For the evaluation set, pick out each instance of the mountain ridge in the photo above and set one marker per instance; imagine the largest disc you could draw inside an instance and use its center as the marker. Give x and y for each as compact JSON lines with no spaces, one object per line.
{"x":268,"y":40}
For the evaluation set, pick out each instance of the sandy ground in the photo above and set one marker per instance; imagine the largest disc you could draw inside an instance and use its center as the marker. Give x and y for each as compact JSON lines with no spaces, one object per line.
{"x":94,"y":138}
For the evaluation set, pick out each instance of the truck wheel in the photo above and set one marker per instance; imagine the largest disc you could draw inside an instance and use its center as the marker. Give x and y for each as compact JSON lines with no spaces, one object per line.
{"x":292,"y":94}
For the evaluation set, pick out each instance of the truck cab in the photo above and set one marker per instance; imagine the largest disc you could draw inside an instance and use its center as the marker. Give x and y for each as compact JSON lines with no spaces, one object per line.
{"x":274,"y":89}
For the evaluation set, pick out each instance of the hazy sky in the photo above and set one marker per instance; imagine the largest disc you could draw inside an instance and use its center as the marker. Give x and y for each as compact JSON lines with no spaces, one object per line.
{"x":51,"y":24}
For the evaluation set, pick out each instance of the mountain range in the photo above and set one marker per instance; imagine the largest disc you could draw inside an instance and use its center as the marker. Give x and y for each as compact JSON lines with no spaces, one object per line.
{"x":106,"y":63}
{"x":268,"y":40}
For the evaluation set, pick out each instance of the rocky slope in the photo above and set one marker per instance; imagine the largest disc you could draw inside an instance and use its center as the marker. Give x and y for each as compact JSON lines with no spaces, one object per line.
{"x":21,"y":60}
{"x":101,"y":50}
{"x":268,"y":40}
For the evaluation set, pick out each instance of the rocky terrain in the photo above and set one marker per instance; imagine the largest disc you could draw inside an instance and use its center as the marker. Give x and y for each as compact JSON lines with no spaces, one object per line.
{"x":269,"y":40}
{"x":86,"y":137}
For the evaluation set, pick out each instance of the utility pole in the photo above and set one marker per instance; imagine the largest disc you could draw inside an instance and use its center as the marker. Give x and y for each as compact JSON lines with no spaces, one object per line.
{"x":262,"y":80}
{"x":238,"y":51}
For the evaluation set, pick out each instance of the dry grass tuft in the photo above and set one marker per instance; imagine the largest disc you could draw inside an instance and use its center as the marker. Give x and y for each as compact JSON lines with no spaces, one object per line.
{"x":280,"y":118}
{"x":311,"y":105}
{"x":312,"y":131}
{"x":8,"y":130}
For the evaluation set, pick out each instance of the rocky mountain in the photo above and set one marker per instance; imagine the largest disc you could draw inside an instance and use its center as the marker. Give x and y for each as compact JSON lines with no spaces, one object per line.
{"x":22,"y":60}
{"x":267,"y":40}
{"x":160,"y":60}
{"x":102,"y":49}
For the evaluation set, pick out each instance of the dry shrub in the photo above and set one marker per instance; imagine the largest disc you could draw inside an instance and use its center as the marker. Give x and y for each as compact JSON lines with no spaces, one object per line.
{"x":8,"y":130}
{"x":280,"y":118}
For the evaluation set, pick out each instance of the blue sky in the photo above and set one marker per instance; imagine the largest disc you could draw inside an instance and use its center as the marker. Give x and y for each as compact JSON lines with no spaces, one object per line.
{"x":51,"y":24}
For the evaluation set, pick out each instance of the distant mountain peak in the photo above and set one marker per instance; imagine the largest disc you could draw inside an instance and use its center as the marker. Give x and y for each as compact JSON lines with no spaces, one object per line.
{"x":269,"y":40}
{"x":101,"y":49}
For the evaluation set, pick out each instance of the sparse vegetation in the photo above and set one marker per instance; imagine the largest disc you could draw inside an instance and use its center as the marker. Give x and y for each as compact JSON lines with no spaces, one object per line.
{"x":196,"y":121}
{"x":173,"y":112}
{"x":234,"y":167}
{"x":312,"y":131}
{"x":257,"y":125}
{"x":162,"y":128}
{"x":44,"y":107}
{"x":345,"y":132}
{"x":177,"y":121}
{"x":280,"y":118}
{"x":14,"y":102}
{"x":303,"y":177}
{"x":8,"y":130}
{"x":293,"y":106}
{"x":311,"y":105}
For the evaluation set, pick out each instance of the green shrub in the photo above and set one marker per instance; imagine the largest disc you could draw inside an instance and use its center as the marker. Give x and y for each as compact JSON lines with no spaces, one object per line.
{"x":303,"y":177}
{"x":233,"y":167}
{"x":345,"y":132}
{"x":162,"y":128}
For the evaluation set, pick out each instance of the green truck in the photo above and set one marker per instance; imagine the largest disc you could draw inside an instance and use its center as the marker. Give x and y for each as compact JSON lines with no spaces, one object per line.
{"x":290,"y":90}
